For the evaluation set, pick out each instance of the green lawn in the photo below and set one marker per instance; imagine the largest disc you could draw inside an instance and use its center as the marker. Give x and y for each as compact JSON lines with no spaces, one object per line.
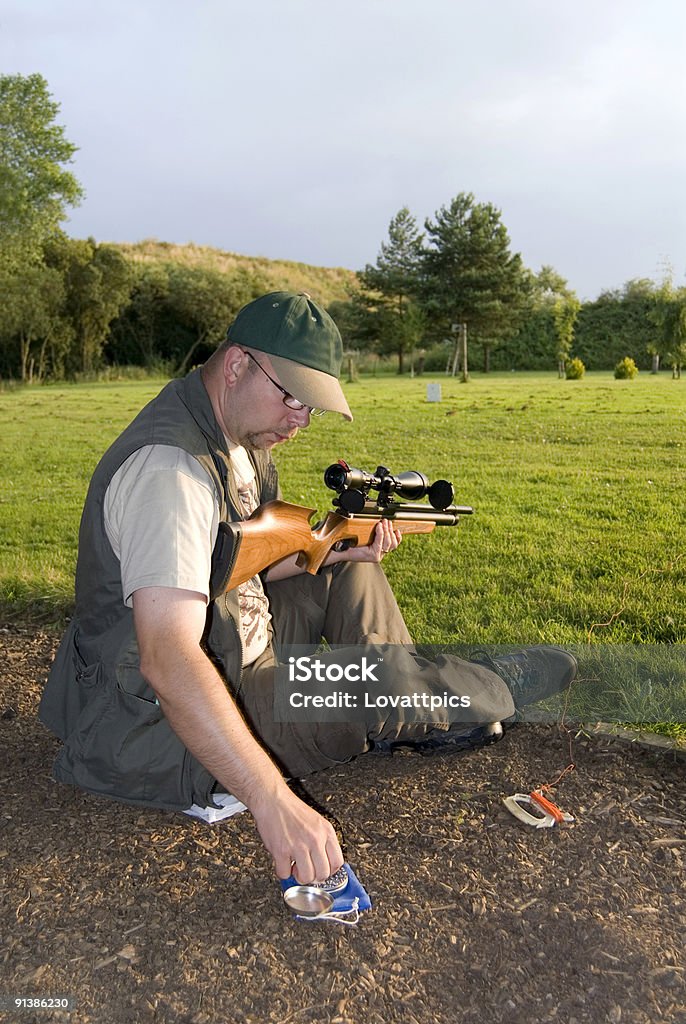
{"x":578,"y":536}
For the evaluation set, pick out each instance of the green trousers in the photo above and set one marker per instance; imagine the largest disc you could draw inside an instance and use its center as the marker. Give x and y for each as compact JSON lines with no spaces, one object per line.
{"x":352,"y":605}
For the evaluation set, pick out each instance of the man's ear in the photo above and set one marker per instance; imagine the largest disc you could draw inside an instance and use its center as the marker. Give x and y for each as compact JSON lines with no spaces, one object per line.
{"x":234,"y":364}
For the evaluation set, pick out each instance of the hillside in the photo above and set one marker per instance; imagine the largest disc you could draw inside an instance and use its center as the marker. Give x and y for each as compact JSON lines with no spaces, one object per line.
{"x":325,"y":284}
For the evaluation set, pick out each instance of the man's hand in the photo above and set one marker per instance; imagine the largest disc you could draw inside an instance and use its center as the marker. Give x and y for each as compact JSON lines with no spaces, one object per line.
{"x":199,"y":708}
{"x":385,"y":539}
{"x":301,"y":842}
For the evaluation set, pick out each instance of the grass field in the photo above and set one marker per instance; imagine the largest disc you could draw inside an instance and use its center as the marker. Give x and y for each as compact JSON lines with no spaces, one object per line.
{"x":578,"y":536}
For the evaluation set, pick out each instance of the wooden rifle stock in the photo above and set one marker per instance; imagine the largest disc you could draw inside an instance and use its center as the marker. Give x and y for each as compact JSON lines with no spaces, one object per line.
{"x":278,"y":529}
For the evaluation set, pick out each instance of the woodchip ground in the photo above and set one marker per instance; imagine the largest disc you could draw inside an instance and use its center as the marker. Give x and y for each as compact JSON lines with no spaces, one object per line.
{"x":144,"y":916}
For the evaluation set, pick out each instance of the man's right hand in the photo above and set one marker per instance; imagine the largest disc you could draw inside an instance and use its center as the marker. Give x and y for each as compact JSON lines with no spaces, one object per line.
{"x":302,"y":842}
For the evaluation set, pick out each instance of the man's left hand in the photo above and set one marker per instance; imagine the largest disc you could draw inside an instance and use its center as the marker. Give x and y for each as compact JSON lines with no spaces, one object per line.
{"x":385,"y":539}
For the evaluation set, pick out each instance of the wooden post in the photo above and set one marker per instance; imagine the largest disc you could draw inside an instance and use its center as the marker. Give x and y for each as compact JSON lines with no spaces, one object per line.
{"x":456,"y":357}
{"x":465,"y":371}
{"x":455,"y":329}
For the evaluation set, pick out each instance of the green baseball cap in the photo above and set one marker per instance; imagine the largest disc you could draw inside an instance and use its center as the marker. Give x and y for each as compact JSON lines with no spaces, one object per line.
{"x":302,"y":342}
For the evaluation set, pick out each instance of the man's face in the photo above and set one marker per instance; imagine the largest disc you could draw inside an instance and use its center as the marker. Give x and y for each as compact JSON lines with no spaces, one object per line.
{"x":262,"y":419}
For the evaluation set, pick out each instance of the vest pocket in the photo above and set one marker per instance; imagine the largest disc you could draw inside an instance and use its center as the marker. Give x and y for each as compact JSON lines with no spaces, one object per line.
{"x":94,"y":702}
{"x":121,"y":745}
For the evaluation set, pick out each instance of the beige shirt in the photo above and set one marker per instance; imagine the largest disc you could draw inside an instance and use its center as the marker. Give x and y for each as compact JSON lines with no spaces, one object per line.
{"x":252,"y":599}
{"x":162,"y":516}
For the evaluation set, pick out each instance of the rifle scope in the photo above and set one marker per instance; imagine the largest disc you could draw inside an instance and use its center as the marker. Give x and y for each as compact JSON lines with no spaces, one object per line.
{"x":353,"y":486}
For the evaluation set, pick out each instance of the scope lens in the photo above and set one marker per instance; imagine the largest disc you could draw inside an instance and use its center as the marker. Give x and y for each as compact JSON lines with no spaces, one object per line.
{"x":335,"y":477}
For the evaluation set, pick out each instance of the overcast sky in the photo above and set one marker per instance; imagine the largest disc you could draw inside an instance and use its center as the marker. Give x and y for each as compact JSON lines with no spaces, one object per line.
{"x":296,"y":129}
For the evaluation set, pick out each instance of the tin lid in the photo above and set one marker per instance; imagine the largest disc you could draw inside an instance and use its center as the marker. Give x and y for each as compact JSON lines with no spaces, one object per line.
{"x":308,"y":900}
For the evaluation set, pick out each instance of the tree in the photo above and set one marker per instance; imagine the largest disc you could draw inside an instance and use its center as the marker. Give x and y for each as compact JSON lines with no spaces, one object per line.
{"x":31,"y":319}
{"x":142,"y":334}
{"x":97,"y":281}
{"x":390,"y":287}
{"x":565,"y":311}
{"x":561,"y":302}
{"x":676,"y":327}
{"x":177,"y":314}
{"x":668,"y":317}
{"x":205,"y":302}
{"x":358,"y":320}
{"x":563,"y":305}
{"x":35,"y":189}
{"x":469,"y":275}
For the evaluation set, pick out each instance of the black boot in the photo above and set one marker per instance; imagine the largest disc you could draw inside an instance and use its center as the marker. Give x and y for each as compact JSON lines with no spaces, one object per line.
{"x":532,"y":674}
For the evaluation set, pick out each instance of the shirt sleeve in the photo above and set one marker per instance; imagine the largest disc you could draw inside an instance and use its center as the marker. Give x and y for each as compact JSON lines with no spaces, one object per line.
{"x":161,"y":518}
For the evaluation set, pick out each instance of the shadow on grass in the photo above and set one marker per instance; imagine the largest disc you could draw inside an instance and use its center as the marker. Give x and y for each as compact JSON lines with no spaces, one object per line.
{"x":28,"y":605}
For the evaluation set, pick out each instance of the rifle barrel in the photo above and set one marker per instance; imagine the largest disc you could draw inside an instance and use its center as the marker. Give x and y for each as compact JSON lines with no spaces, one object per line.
{"x":443,"y":518}
{"x":410,"y":512}
{"x":419,"y":508}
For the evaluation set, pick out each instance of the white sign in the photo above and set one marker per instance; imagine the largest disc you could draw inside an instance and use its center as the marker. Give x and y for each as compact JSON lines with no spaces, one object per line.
{"x":433,"y":392}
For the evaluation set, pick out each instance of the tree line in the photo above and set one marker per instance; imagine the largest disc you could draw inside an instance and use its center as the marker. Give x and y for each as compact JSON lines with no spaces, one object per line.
{"x":428,"y":289}
{"x":70,"y":307}
{"x":84,"y":306}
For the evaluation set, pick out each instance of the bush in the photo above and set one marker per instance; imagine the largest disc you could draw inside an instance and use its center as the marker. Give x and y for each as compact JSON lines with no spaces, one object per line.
{"x":436,"y":358}
{"x":574,"y":369}
{"x":626,"y":369}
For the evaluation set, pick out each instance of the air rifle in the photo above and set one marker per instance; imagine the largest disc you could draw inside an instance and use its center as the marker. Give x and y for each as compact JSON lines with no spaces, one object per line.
{"x":278,"y":529}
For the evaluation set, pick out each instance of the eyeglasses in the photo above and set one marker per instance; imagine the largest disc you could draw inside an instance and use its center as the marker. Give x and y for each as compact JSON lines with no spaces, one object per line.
{"x":288,"y":399}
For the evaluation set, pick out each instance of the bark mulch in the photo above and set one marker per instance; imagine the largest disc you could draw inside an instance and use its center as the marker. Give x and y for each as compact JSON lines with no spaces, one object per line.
{"x":148,"y":916}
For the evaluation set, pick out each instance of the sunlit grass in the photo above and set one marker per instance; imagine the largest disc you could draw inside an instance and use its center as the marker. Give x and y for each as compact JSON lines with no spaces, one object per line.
{"x":579,"y":530}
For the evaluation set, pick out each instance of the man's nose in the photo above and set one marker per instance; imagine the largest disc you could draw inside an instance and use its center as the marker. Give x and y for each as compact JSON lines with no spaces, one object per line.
{"x":299,"y":417}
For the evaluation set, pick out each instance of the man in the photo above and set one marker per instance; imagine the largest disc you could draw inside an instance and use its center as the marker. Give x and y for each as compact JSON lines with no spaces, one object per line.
{"x":163,"y":687}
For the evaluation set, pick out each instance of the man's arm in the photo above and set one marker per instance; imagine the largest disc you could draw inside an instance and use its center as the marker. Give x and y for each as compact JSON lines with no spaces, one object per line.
{"x":193,"y":696}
